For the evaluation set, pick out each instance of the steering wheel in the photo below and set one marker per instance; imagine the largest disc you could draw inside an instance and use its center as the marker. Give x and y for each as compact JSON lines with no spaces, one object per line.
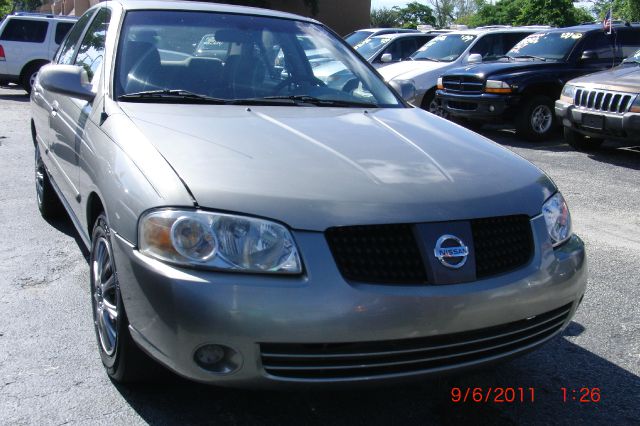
{"x":293,"y":82}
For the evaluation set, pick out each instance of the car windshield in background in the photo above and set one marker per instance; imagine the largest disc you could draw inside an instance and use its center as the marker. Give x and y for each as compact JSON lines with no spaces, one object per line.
{"x":356,"y":37}
{"x":550,"y":46}
{"x":371,"y":46}
{"x":633,"y":59}
{"x":168,"y":56}
{"x":444,"y":48}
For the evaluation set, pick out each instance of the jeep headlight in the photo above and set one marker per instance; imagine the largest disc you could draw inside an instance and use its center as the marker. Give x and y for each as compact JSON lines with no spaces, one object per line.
{"x":558,"y":219}
{"x":218,"y":241}
{"x":568,"y":93}
{"x":635,"y":107}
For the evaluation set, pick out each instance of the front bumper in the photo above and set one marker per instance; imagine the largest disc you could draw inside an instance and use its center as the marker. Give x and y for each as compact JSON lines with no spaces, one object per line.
{"x":174,"y":311}
{"x":625,"y":127}
{"x":481,"y":106}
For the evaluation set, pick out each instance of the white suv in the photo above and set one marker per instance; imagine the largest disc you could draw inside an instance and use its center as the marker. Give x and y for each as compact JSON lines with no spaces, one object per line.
{"x":27,"y":42}
{"x":447,"y":51}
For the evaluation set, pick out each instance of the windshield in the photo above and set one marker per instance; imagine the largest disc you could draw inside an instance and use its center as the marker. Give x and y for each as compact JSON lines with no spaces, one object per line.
{"x":370,"y":46}
{"x":356,"y":37}
{"x":444,"y":48}
{"x":634,"y":58}
{"x":555,"y":45}
{"x":172,"y":56}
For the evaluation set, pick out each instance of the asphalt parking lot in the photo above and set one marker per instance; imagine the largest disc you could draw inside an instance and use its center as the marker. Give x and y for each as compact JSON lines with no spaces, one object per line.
{"x":50,"y":370}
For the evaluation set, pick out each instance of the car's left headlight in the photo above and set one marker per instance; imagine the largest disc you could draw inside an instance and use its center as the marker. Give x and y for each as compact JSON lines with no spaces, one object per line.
{"x":497,"y":86}
{"x":558,"y":219}
{"x":568,"y":93}
{"x":218,"y":241}
{"x":635,"y":107}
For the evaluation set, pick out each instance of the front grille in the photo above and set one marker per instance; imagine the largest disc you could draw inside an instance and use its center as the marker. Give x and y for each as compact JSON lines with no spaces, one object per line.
{"x":502,"y":244}
{"x":389,"y":254}
{"x":462,"y":106}
{"x":335,"y":361}
{"x":603,"y":100}
{"x":377,"y":253}
{"x":462,"y":84}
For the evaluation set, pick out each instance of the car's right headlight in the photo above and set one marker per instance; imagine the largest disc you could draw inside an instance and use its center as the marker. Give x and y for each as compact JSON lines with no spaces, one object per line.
{"x":635,"y":107}
{"x":568,"y":93}
{"x":218,"y":241}
{"x":558,"y":219}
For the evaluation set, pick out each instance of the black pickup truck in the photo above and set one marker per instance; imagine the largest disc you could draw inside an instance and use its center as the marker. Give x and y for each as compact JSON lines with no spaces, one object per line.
{"x":521,"y":87}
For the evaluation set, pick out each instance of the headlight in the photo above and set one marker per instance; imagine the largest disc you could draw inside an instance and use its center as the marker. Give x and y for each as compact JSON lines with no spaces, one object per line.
{"x":568,"y":93}
{"x":558,"y":219}
{"x":406,"y":89}
{"x":495,"y":86}
{"x":439,"y":84}
{"x":635,"y":107}
{"x":218,"y":241}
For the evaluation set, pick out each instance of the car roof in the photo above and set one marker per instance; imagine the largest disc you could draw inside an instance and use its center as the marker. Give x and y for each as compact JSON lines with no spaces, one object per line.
{"x":495,"y":30}
{"x":402,"y":35}
{"x":595,"y":27}
{"x":41,"y":16}
{"x":204,"y":7}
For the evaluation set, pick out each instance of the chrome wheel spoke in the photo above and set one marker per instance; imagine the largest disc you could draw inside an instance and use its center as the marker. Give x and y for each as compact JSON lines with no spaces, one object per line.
{"x":105,"y":296}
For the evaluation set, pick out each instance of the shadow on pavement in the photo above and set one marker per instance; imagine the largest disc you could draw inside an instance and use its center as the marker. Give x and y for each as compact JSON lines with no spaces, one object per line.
{"x":558,"y":364}
{"x":14,"y":93}
{"x":64,"y":225}
{"x":611,"y":152}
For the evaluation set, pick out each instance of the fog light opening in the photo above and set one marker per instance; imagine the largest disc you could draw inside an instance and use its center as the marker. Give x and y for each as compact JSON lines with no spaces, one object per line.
{"x":217,"y":358}
{"x":492,"y":108}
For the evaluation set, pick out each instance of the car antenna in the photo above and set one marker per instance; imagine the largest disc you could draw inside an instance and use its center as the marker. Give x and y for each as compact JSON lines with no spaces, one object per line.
{"x":104,"y":115}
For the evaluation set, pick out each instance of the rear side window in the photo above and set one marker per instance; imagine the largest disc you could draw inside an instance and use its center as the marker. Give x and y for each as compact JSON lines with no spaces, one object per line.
{"x":91,"y":51}
{"x":25,"y":30}
{"x":602,"y":44}
{"x":67,"y":50}
{"x":61,"y":30}
{"x":628,"y":41}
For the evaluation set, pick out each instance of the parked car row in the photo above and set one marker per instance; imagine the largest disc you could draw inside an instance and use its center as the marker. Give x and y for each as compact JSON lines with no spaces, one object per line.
{"x":515,"y":76}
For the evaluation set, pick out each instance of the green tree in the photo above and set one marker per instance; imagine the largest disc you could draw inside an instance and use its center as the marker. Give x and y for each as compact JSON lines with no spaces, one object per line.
{"x":559,"y":13}
{"x":414,"y":14}
{"x":627,"y":10}
{"x":26,"y":5}
{"x":384,"y":18}
{"x":5,"y":7}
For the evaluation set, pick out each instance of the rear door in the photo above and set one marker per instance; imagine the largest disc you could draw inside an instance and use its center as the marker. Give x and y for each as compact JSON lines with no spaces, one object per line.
{"x":23,"y":40}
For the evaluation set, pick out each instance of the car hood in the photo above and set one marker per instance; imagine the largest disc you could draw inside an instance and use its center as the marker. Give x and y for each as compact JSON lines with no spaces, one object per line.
{"x":314,"y":168}
{"x":624,"y":78}
{"x":492,"y":69}
{"x":410,"y":69}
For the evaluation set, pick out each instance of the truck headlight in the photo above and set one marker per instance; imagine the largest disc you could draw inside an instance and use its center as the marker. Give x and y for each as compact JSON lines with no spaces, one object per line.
{"x":439,"y":84}
{"x":218,"y":241}
{"x":496,"y":86}
{"x":558,"y":219}
{"x":568,"y":93}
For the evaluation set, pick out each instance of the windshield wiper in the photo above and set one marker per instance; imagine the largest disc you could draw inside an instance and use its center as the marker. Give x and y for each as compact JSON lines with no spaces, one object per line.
{"x":306,"y":99}
{"x":173,"y":95}
{"x":426,"y":58}
{"x":510,"y":58}
{"x":531,"y":57}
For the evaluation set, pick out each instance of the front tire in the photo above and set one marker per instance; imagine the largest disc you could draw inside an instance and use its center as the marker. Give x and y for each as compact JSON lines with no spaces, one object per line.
{"x":580,"y":142}
{"x":123,"y":360}
{"x":537,"y":120}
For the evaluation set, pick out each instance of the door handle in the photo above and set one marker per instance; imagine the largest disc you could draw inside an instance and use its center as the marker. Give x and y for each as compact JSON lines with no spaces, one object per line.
{"x":54,"y":108}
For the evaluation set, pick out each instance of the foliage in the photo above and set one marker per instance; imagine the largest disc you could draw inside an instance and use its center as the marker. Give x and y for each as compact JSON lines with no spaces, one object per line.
{"x":26,"y":5}
{"x":5,"y":7}
{"x":559,"y":13}
{"x":627,"y":10}
{"x":414,"y":14}
{"x":384,"y":18}
{"x":312,"y":4}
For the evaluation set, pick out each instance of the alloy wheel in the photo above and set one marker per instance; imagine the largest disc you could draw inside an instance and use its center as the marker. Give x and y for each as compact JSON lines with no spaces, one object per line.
{"x":541,"y":119}
{"x":106,"y":294}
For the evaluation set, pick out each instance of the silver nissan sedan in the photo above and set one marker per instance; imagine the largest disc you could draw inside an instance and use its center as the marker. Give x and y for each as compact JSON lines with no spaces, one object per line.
{"x":251,"y":225}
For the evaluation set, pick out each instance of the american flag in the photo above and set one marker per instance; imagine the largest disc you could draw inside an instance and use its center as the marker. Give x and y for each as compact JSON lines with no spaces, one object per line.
{"x":606,"y":22}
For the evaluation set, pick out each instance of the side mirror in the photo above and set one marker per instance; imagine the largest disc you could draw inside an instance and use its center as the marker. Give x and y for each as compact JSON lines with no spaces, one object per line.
{"x":386,"y":58}
{"x":69,"y":80}
{"x":405,"y":88}
{"x":589,"y":55}
{"x":474,"y":58}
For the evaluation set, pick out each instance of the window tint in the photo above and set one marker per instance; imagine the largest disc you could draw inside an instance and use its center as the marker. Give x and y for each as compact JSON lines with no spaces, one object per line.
{"x":91,"y":51}
{"x":25,"y":30}
{"x":628,"y":42}
{"x":61,"y":30}
{"x":490,"y":46}
{"x":407,"y":47}
{"x":66,"y":52}
{"x":602,"y":44}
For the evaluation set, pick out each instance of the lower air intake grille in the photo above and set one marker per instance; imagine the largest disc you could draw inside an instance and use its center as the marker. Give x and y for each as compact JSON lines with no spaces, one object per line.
{"x":502,"y":244}
{"x":377,"y":253}
{"x":344,"y":361}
